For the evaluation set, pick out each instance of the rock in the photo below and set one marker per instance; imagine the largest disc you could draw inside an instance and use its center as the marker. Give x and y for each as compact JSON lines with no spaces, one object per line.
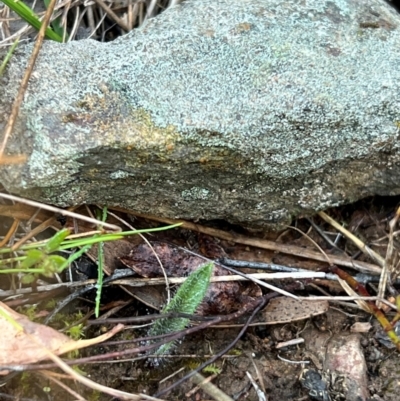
{"x":347,"y":367}
{"x":340,"y":364}
{"x":252,"y":111}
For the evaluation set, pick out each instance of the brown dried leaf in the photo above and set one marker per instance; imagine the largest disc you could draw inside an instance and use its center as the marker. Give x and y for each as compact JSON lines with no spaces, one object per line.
{"x":286,"y":310}
{"x":209,"y":248}
{"x":221,"y":298}
{"x":17,"y":347}
{"x":33,"y":342}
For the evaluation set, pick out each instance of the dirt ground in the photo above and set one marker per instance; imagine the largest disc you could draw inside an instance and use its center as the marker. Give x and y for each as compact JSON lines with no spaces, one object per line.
{"x":342,"y":354}
{"x":277,"y":372}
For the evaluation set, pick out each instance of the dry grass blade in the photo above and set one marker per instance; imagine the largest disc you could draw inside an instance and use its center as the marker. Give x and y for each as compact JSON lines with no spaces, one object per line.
{"x":58,"y":210}
{"x":167,"y":288}
{"x":37,"y":230}
{"x":261,"y":395}
{"x":312,"y":241}
{"x":384,"y":263}
{"x":265,"y":244}
{"x":142,"y":282}
{"x":212,"y":390}
{"x":361,"y":303}
{"x":364,"y":248}
{"x":50,"y":376}
{"x":112,"y":15}
{"x":389,"y":260}
{"x":96,"y":386}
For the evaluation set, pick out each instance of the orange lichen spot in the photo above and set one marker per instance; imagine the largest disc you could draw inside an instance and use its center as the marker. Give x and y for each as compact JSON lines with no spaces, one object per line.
{"x":210,"y":33}
{"x":242,"y":27}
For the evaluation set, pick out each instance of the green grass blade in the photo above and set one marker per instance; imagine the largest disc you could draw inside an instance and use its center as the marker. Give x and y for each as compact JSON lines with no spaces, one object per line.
{"x":100,"y":275}
{"x":53,"y":244}
{"x":28,"y":15}
{"x":100,"y":266}
{"x":56,"y":24}
{"x":68,"y":244}
{"x":8,"y":56}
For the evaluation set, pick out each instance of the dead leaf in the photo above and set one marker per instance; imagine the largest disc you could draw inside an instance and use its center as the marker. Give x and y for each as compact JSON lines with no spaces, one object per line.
{"x":24,"y":342}
{"x":286,"y":310}
{"x":221,"y":298}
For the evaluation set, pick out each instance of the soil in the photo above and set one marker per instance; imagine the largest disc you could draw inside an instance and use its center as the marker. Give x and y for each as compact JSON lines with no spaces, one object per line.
{"x":342,"y":354}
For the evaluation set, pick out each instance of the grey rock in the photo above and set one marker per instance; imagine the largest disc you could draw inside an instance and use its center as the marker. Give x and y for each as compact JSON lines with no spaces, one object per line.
{"x":253,"y":111}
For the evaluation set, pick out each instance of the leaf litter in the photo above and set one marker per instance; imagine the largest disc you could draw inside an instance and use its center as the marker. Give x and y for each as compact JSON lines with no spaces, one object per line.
{"x":221,"y":298}
{"x":280,"y":311}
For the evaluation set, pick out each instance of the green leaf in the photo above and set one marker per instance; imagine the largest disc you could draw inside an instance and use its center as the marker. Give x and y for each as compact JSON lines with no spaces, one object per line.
{"x":77,"y":254}
{"x":53,"y":264}
{"x":33,"y":257}
{"x":213,"y":369}
{"x":53,"y":244}
{"x":30,"y":17}
{"x":28,"y":278}
{"x":186,"y":300}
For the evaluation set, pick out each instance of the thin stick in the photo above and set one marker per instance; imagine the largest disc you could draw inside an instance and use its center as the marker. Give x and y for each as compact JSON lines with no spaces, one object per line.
{"x":265,"y":244}
{"x":58,"y":210}
{"x":388,"y":267}
{"x":364,"y":248}
{"x":211,"y":389}
{"x":10,"y":233}
{"x":49,"y":376}
{"x":25,"y":80}
{"x":37,"y":230}
{"x":312,"y":241}
{"x":112,"y":15}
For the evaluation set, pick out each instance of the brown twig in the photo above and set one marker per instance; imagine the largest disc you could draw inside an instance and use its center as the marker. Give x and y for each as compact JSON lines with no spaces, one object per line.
{"x":264,"y":244}
{"x":167,"y":338}
{"x":10,"y":233}
{"x":363,"y":247}
{"x":25,"y":80}
{"x":112,"y":15}
{"x":37,"y":230}
{"x":373,"y":309}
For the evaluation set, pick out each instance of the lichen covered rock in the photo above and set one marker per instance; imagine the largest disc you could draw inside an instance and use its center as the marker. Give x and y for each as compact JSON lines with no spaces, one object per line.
{"x":252,"y":111}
